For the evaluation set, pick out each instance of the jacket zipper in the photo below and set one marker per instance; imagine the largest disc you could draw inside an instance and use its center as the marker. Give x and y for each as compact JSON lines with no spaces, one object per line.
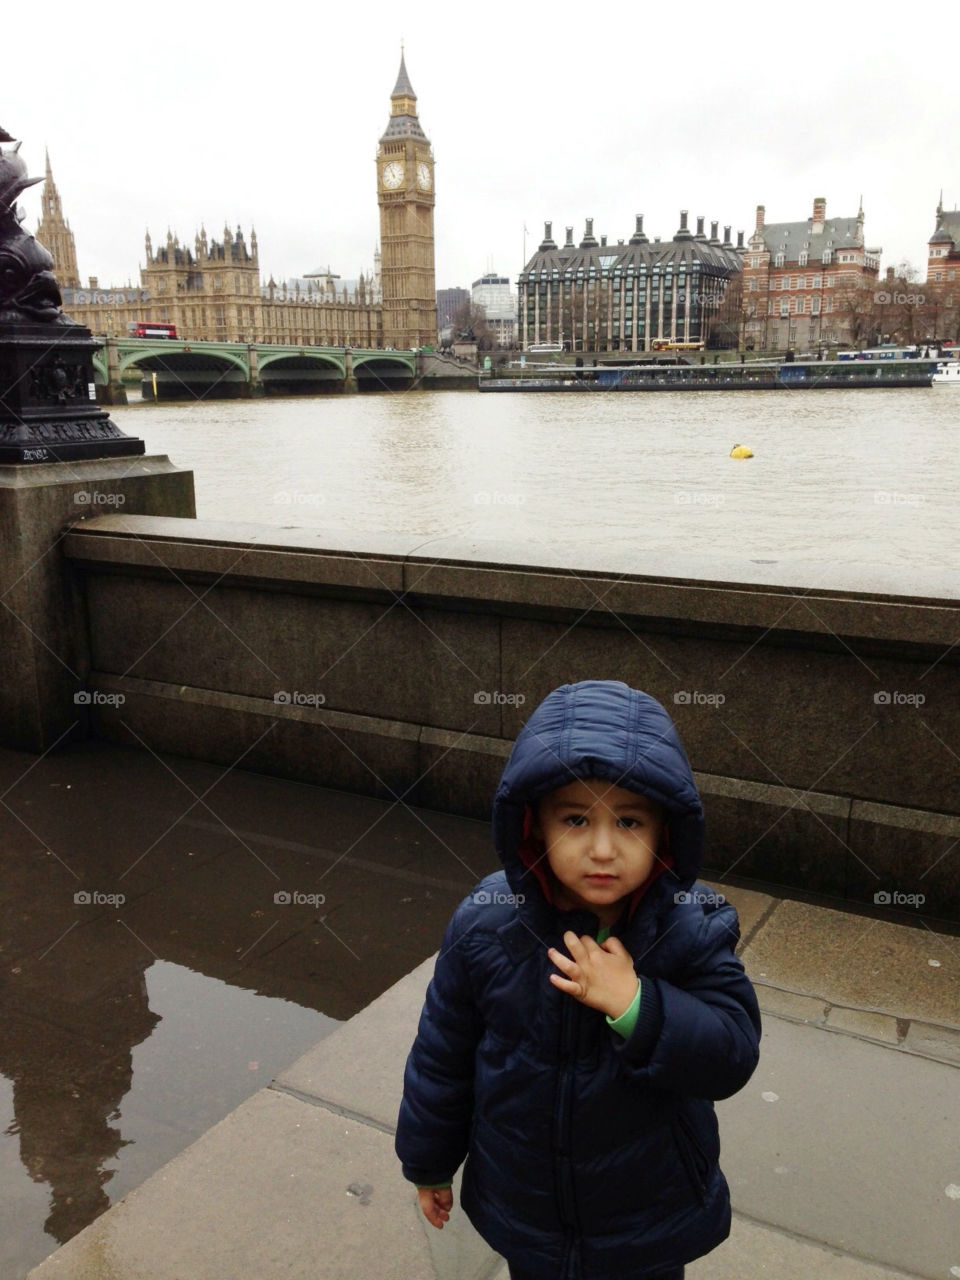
{"x":689,"y":1150}
{"x":562,"y":1169}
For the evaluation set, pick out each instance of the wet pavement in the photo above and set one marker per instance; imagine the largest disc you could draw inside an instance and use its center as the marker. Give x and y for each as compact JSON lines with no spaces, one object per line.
{"x":172,"y":935}
{"x":259,"y":914}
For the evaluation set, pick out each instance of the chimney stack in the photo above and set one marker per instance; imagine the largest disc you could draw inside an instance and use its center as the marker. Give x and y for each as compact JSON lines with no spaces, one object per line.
{"x":761,"y":214}
{"x":638,"y":236}
{"x":819,"y":213}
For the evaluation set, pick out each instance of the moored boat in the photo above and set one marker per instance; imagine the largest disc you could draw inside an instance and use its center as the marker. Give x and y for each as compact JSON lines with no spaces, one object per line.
{"x":756,"y":375}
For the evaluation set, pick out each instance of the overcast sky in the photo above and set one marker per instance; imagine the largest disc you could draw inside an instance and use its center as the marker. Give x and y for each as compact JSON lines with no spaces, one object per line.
{"x":176,"y":114}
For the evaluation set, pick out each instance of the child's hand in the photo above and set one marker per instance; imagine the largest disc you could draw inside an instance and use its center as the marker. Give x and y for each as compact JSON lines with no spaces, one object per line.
{"x":436,"y":1204}
{"x":601,"y":976}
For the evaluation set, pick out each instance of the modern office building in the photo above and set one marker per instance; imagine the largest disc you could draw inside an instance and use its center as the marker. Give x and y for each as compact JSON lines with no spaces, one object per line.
{"x":595,"y":297}
{"x":499,"y":301}
{"x":449,"y":302}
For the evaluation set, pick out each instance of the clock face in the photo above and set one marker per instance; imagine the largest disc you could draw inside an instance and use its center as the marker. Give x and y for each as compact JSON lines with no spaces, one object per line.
{"x":392,"y":175}
{"x":423,"y":176}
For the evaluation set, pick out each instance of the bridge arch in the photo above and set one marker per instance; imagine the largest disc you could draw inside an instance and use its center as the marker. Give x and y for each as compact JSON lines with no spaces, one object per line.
{"x":406,"y":360}
{"x":303,"y":357}
{"x":177,"y":354}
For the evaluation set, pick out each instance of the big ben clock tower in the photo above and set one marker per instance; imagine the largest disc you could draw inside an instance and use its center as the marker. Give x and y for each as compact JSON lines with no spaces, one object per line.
{"x":405,"y":195}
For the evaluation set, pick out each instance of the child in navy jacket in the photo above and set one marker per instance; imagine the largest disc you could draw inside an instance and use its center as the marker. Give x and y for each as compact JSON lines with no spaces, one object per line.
{"x":585,"y":1011}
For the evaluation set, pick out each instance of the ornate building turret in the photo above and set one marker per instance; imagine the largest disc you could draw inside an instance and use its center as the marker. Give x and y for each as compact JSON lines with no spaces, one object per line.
{"x":54,"y":233}
{"x":405,"y":193}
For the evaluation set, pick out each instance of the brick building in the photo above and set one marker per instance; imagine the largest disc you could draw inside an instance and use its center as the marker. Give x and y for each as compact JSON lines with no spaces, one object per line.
{"x":803,"y":282}
{"x":943,"y":256}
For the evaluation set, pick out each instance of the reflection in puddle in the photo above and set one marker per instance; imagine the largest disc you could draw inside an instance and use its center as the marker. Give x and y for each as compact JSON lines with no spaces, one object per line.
{"x":94,"y":1110}
{"x":159,"y":962}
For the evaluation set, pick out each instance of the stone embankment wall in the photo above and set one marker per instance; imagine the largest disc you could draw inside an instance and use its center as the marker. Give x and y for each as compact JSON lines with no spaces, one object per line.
{"x":820,"y":720}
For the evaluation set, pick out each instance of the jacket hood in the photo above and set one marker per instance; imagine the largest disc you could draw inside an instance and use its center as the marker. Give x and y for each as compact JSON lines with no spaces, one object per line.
{"x":597,"y":729}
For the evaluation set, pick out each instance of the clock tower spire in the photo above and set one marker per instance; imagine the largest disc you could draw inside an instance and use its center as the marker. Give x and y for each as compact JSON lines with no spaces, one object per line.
{"x":405,"y":194}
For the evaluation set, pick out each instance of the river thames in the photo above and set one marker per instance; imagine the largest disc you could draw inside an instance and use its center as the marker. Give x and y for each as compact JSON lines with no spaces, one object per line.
{"x":119,"y":1052}
{"x":845,"y":478}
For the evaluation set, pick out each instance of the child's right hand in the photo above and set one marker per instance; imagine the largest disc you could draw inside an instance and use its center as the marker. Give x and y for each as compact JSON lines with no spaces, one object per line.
{"x":436,"y":1204}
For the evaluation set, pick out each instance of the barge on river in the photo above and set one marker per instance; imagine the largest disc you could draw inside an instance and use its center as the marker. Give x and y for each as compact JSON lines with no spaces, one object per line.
{"x":756,"y":375}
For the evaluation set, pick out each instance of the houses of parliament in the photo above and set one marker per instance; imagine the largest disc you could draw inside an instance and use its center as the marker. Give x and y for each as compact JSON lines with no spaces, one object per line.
{"x":214,"y":290}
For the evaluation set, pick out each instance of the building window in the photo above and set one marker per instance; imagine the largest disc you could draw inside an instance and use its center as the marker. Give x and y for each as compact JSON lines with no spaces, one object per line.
{"x":785,"y":307}
{"x":778,"y":260}
{"x":803,"y":259}
{"x":814,"y":306}
{"x":827,"y":257}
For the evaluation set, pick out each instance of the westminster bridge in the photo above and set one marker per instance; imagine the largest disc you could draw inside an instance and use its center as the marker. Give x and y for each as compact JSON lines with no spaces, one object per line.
{"x":173,"y":368}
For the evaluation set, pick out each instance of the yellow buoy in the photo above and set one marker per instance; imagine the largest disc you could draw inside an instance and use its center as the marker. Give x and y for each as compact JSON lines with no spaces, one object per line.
{"x":741,"y":451}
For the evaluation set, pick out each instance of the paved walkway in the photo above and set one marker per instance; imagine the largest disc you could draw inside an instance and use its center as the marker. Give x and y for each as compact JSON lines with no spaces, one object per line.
{"x":842,"y":1151}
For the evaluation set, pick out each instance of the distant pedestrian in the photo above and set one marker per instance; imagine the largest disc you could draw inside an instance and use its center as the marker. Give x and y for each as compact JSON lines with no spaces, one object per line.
{"x":585,"y":1010}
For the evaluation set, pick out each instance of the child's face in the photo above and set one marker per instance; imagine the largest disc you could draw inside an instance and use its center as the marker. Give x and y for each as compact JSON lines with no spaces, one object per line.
{"x":601,"y":842}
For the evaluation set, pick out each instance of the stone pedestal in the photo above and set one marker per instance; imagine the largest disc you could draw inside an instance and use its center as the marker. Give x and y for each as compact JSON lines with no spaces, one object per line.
{"x":48,"y":411}
{"x":43,"y":632}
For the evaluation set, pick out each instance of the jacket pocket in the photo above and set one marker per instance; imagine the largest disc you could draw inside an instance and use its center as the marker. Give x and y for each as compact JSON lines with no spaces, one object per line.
{"x":694,"y":1161}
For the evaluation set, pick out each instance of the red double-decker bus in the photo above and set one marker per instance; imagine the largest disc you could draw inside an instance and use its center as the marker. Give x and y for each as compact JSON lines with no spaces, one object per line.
{"x":149,"y":329}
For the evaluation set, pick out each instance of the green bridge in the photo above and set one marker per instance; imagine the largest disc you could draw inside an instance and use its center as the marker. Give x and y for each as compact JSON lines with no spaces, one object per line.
{"x":172,"y":368}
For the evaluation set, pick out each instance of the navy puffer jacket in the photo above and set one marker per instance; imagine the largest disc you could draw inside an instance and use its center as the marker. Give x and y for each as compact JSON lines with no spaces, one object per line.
{"x":589,"y":1157}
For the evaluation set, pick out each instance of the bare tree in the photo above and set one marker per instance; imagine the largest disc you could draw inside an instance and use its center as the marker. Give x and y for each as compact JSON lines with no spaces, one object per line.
{"x":470,"y":323}
{"x":722,"y":330}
